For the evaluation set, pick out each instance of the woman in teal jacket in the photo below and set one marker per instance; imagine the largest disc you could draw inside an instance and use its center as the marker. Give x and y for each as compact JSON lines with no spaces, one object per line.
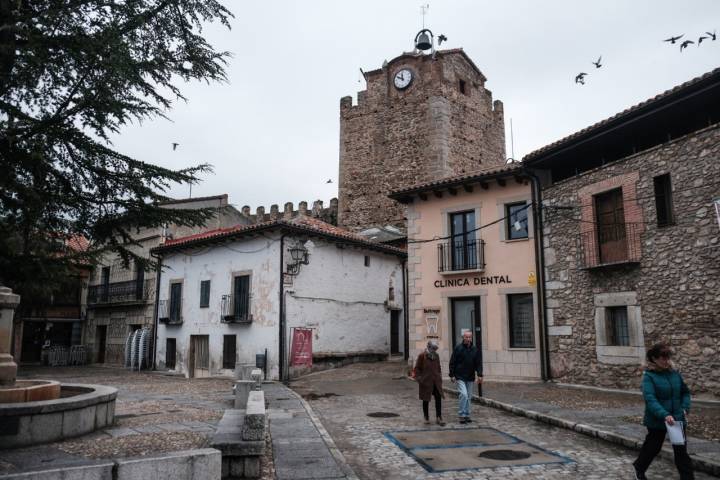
{"x":667,"y":400}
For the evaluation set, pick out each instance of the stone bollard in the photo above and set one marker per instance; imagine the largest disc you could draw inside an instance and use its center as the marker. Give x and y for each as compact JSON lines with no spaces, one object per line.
{"x":8,"y":303}
{"x":242,"y":390}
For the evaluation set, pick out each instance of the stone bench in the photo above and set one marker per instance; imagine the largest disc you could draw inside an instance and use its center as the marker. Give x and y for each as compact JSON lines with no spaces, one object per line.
{"x":240,"y":437}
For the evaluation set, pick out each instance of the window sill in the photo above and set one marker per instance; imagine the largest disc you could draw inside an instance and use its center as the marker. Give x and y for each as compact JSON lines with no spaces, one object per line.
{"x":461,"y":272}
{"x":515,"y":240}
{"x":519,"y":349}
{"x":612,"y":264}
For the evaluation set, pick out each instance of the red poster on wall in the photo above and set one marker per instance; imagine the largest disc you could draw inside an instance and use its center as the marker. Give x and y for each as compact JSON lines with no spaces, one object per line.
{"x":301,"y":350}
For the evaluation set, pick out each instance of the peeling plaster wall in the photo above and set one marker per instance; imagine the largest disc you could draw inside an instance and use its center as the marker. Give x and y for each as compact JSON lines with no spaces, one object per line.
{"x":346,"y":303}
{"x":218,"y":264}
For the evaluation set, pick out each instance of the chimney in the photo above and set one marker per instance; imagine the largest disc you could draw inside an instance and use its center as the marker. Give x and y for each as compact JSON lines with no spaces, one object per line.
{"x":246,"y":211}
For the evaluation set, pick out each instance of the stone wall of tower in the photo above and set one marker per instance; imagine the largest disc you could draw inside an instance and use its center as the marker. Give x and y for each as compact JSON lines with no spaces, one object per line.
{"x":393,"y":139}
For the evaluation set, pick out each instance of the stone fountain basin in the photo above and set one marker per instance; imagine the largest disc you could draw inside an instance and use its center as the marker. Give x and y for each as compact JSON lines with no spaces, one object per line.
{"x":30,"y":391}
{"x":81,"y":409}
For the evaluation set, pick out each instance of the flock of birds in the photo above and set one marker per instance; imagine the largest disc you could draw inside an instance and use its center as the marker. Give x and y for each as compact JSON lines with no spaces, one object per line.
{"x":580,"y":77}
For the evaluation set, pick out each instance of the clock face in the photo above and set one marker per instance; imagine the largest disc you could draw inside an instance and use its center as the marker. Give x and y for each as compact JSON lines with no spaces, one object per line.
{"x":403,"y":78}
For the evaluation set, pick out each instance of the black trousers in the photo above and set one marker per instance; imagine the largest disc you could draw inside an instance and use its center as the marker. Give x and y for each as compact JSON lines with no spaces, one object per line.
{"x":652,"y":446}
{"x":438,"y":404}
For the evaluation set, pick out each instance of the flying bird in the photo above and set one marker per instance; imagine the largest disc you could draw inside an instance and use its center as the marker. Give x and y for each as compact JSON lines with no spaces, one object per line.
{"x":713,"y":35}
{"x":674,"y":39}
{"x":441,"y":38}
{"x":175,"y":145}
{"x":702,"y":37}
{"x":580,"y":78}
{"x":685,"y":44}
{"x":329,"y":180}
{"x":598,"y":64}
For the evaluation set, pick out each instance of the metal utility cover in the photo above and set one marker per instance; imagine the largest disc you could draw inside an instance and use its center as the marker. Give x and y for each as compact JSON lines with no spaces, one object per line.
{"x":469,"y":449}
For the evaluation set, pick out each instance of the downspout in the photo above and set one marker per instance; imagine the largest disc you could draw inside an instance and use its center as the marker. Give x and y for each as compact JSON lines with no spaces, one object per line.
{"x":406,"y":315}
{"x":540,"y":269}
{"x":281,"y":319}
{"x":156,"y":306}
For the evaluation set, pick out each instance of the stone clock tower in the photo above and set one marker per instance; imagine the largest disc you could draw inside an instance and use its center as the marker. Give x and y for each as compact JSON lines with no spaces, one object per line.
{"x":422,"y":118}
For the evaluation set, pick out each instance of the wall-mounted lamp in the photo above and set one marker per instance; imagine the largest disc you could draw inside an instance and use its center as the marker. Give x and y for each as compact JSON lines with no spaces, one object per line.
{"x":299,"y":255}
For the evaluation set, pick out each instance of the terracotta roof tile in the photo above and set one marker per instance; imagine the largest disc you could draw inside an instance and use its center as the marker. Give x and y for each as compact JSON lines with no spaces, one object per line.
{"x":475,"y":175}
{"x":301,"y":224}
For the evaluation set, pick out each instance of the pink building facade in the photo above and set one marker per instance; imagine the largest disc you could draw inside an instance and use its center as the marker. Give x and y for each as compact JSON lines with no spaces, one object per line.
{"x":471,"y":266}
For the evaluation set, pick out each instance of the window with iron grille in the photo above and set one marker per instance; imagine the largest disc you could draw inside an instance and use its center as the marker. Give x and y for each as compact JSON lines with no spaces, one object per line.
{"x":520,"y":314}
{"x":663,"y":200}
{"x":175,"y":302}
{"x":229,"y":351}
{"x":516,"y":215}
{"x":170,"y":353}
{"x":616,"y":322}
{"x":205,"y":294}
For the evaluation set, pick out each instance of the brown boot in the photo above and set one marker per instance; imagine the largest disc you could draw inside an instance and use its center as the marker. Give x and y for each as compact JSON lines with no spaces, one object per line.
{"x":440,"y":421}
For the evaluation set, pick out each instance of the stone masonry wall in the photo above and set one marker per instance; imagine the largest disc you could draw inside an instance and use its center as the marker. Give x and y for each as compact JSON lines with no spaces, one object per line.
{"x":674,"y":290}
{"x":393,"y":139}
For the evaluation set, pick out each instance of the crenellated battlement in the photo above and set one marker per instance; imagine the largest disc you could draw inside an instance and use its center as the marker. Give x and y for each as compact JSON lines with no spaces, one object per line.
{"x":326,"y":214}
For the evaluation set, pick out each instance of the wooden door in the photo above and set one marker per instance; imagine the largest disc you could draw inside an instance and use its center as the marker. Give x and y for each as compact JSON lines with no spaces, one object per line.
{"x":200,"y":355}
{"x":611,"y":233}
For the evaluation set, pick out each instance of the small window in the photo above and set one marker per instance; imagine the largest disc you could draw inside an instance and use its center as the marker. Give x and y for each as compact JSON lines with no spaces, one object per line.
{"x":520,"y":313}
{"x":517,"y":220}
{"x":229,"y":351}
{"x":170,"y":353}
{"x":616,"y":322}
{"x":175,"y":302}
{"x":461,"y":86}
{"x":367,"y":261}
{"x":663,"y":200}
{"x":205,"y":294}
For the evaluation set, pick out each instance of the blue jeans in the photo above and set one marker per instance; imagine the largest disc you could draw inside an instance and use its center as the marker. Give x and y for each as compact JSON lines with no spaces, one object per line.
{"x":465,"y":391}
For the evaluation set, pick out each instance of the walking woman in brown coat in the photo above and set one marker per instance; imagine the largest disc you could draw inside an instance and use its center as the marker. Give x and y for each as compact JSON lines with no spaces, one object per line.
{"x":429,"y":378}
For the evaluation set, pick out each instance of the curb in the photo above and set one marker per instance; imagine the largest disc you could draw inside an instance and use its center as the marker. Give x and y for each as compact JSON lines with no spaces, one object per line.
{"x":334,"y":450}
{"x":699,"y":464}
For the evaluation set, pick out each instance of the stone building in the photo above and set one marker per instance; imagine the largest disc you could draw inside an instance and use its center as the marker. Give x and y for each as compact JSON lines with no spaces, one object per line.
{"x":421,"y":118}
{"x":471,"y":267}
{"x":632,"y":241}
{"x":229,"y":294}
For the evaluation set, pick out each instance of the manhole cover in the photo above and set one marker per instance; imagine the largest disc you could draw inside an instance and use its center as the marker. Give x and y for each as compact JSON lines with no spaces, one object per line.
{"x":382,"y":414}
{"x":504,"y":455}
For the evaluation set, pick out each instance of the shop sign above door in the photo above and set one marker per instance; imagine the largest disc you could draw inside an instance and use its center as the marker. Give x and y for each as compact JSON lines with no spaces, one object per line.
{"x":468,"y":281}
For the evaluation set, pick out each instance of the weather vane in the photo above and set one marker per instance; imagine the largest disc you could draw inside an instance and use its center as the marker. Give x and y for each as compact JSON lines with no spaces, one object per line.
{"x":424,"y":9}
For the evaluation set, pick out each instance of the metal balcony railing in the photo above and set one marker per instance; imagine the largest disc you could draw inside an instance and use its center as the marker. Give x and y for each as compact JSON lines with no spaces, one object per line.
{"x":235,"y":309}
{"x":170,"y":314}
{"x":611,"y":245}
{"x":458,"y":255}
{"x":121,"y":292}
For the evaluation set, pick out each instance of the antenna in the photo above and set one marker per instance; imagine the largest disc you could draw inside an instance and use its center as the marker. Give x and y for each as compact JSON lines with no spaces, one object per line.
{"x":424,"y":8}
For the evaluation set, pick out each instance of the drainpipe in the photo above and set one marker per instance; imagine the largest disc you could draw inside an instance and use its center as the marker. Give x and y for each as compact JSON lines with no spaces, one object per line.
{"x":406,"y":317}
{"x":158,"y":271}
{"x":281,"y":319}
{"x":540,"y":269}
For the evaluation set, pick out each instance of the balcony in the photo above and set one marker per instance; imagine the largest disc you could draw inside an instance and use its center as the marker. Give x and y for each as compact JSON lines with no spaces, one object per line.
{"x":235,"y":309}
{"x":169,"y":315}
{"x":458,"y":256}
{"x":608,"y":245}
{"x":132,"y":291}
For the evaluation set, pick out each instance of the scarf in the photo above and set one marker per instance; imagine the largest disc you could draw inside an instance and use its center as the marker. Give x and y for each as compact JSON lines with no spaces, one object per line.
{"x":431,"y":355}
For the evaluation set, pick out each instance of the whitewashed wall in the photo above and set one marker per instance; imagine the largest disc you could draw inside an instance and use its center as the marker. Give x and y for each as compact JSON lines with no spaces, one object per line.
{"x":335,"y":294}
{"x":344,"y":301}
{"x":218,"y":264}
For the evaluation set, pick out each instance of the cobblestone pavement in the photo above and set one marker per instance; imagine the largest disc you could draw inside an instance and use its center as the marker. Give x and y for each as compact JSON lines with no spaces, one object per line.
{"x":154,"y":413}
{"x":342,"y":398}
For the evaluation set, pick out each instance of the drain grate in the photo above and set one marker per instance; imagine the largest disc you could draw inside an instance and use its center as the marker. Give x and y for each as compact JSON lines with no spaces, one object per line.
{"x":504,"y":455}
{"x":382,"y":414}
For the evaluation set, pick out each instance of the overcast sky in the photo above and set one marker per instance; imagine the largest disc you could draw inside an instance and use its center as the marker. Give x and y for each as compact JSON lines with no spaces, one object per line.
{"x":271,"y":132}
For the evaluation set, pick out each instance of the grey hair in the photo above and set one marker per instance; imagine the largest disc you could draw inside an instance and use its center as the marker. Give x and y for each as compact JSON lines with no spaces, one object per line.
{"x":432,"y":344}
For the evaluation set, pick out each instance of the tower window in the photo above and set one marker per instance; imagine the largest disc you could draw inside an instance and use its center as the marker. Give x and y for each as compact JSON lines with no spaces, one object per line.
{"x":663,"y":200}
{"x":461,"y":86}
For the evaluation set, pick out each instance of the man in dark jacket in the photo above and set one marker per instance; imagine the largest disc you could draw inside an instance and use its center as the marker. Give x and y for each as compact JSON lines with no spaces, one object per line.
{"x":465,"y":362}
